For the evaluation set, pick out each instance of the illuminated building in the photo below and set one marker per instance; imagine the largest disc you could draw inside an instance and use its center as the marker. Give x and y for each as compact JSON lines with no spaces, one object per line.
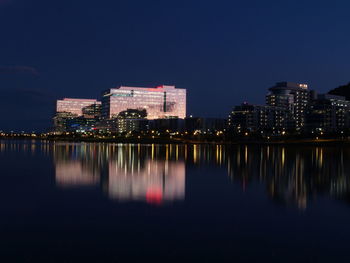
{"x":166,"y":125}
{"x":131,"y":120}
{"x":328,"y":113}
{"x":92,"y":111}
{"x":74,"y":106}
{"x":76,"y":114}
{"x":80,"y":124}
{"x":61,"y":119}
{"x":204,"y":125}
{"x":159,"y":102}
{"x":126,"y":121}
{"x":293,"y":97}
{"x":257,"y":118}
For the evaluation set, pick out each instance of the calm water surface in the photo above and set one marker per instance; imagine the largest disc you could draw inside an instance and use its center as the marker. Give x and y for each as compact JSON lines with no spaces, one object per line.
{"x":94,"y":202}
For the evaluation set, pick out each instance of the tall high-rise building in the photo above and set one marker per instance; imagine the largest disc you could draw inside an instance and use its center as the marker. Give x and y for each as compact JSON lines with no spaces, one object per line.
{"x":74,"y":106}
{"x":159,"y":102}
{"x":291,"y":96}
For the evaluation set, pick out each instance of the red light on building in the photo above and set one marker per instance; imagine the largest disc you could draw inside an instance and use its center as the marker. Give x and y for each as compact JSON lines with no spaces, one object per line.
{"x":157,"y":88}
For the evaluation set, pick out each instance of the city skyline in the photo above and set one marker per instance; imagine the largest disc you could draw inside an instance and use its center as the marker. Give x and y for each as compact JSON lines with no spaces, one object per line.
{"x":289,"y":106}
{"x":236,"y":49}
{"x":291,"y":109}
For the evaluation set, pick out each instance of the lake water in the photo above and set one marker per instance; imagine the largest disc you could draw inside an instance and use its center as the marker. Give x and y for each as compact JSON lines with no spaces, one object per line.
{"x":95,"y":202}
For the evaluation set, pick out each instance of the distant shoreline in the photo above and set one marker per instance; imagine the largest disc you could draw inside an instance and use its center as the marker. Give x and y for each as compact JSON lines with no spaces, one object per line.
{"x":321,"y":141}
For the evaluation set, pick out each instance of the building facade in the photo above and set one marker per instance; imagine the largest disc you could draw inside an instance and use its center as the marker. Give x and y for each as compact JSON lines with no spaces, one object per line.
{"x":159,"y":102}
{"x":74,"y":106}
{"x":257,"y":118}
{"x":204,"y":125}
{"x":327,"y":114}
{"x":92,"y":111}
{"x":131,"y":121}
{"x":293,"y":97}
{"x":76,"y":114}
{"x":61,"y":120}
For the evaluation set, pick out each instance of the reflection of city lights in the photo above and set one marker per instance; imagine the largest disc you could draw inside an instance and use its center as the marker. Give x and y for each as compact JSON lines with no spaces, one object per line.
{"x":154,"y":196}
{"x":157,"y":178}
{"x":293,"y":176}
{"x":152,"y":151}
{"x":177,"y":152}
{"x":167,"y":152}
{"x":155,"y":174}
{"x":194,"y":153}
{"x":131,"y":174}
{"x":74,"y":174}
{"x":217,"y":153}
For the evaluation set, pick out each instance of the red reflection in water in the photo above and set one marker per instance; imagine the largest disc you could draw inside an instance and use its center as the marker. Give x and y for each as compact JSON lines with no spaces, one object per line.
{"x":154,"y":196}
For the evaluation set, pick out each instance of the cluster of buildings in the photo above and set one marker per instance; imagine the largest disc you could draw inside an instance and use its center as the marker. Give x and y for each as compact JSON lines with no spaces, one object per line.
{"x":292,"y":107}
{"x":132,"y":109}
{"x":121,"y":109}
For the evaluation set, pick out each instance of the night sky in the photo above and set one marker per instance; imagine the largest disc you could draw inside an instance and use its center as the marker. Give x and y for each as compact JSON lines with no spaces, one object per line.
{"x":222,"y":52}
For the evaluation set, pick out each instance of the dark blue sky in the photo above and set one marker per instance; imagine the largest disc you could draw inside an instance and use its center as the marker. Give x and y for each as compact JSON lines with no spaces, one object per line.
{"x":222,"y":52}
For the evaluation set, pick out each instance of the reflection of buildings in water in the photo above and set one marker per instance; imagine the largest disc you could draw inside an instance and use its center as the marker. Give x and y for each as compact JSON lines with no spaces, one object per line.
{"x":76,"y":164}
{"x":155,"y":173}
{"x":73,"y":173}
{"x":126,"y":172}
{"x":155,"y":182}
{"x":292,"y":174}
